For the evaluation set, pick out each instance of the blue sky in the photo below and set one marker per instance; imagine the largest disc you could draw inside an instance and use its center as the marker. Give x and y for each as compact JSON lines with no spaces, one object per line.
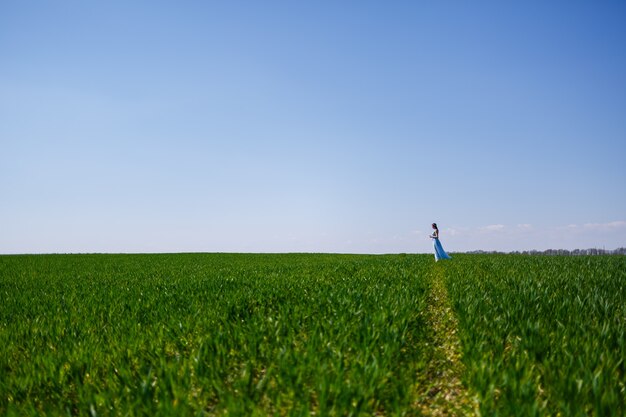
{"x":325,"y":127}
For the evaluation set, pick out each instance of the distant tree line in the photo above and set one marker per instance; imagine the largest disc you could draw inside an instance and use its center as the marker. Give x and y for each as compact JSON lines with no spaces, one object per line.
{"x":562,"y":252}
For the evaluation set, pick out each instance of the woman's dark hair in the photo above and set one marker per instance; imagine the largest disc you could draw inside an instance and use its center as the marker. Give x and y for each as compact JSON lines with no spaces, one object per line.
{"x":435,"y":226}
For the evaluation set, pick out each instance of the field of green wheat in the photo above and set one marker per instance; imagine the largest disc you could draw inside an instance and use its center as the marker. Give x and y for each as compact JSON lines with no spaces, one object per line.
{"x":312,"y":334}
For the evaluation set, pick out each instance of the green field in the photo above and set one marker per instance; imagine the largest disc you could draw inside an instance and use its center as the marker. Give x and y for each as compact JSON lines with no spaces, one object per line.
{"x":312,"y":334}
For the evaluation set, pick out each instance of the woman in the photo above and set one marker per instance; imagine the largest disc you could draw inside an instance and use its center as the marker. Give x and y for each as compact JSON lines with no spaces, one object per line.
{"x":439,"y":252}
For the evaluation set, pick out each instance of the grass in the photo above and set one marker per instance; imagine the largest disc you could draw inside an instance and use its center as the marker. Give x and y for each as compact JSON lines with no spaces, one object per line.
{"x":311,"y":334}
{"x":211,"y":334}
{"x":543,"y":335}
{"x":445,"y":394}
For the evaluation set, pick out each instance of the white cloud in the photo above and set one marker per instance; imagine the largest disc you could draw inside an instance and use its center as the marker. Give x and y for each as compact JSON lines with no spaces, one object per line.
{"x":616,"y":225}
{"x":493,"y":228}
{"x":458,"y":231}
{"x":525,"y":236}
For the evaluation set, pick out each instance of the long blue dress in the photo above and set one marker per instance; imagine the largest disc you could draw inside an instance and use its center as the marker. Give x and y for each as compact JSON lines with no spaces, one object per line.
{"x":439,"y":252}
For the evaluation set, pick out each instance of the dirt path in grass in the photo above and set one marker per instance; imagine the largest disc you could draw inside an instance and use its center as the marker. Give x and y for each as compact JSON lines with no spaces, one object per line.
{"x":443,"y":394}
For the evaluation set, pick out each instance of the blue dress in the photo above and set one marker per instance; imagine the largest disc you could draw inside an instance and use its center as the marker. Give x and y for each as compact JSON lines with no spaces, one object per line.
{"x":439,"y":252}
